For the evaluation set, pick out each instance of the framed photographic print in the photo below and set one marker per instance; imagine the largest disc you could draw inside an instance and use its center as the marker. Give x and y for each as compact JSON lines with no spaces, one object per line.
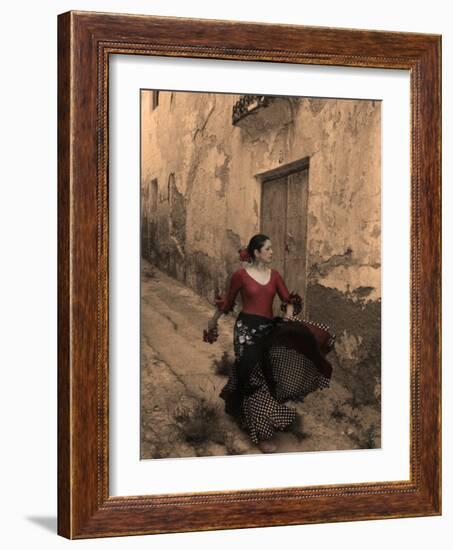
{"x":249,"y":275}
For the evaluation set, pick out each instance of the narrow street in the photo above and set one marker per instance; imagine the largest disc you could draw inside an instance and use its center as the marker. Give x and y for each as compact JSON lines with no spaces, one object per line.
{"x":181,"y":377}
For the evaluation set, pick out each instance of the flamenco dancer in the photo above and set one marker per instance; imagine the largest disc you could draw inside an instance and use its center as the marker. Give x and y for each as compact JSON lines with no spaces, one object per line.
{"x":276,"y":358}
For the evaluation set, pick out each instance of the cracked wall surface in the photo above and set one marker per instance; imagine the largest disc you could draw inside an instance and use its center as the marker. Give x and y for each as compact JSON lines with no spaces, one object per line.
{"x":208,"y":203}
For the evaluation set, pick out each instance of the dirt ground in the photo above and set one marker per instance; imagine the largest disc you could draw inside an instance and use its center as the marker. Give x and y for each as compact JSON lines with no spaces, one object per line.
{"x":181,"y":377}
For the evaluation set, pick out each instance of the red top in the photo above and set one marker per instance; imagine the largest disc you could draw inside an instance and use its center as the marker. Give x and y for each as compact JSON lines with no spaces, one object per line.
{"x":256,"y":298}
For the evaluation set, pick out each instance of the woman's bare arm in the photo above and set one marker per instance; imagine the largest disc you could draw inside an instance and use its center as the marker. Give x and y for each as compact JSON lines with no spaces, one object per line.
{"x":213,"y":321}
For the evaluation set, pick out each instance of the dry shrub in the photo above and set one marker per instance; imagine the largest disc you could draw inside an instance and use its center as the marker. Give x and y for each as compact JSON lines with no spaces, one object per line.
{"x":337,"y":413}
{"x":199,"y":423}
{"x":224,"y":365}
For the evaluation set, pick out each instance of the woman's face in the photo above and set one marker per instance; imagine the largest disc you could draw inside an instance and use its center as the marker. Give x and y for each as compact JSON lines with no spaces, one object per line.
{"x":265,"y":254}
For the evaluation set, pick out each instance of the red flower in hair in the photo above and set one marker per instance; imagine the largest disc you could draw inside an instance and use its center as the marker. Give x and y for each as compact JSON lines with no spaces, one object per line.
{"x":244,"y":256}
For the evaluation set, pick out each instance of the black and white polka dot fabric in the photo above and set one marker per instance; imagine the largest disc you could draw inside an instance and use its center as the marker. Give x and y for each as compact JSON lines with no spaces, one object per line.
{"x":258,"y":413}
{"x":248,"y":394}
{"x":294,"y":374}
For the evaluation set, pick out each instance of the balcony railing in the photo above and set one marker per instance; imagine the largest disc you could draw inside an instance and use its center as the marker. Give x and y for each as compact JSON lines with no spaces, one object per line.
{"x":249,"y":104}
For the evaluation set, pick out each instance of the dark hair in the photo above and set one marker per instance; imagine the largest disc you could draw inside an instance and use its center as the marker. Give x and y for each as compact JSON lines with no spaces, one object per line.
{"x":256,"y":243}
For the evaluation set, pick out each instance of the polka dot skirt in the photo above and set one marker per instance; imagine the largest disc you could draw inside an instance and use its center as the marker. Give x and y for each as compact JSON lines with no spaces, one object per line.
{"x":259,"y":410}
{"x":259,"y":414}
{"x":295,"y":376}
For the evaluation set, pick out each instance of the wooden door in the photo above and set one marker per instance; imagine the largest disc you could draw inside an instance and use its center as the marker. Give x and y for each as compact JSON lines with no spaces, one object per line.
{"x":273,"y":216}
{"x":296,"y":232}
{"x":284,"y":204}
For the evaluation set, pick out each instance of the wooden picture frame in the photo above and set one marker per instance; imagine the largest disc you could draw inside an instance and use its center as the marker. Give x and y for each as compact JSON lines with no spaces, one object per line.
{"x":85,"y":41}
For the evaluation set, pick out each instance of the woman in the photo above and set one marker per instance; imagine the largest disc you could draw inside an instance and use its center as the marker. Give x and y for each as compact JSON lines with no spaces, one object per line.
{"x":276,"y":358}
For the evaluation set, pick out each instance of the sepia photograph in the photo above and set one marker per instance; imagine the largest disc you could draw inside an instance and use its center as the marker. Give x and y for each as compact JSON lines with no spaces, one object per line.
{"x":260,"y":268}
{"x":249,"y":274}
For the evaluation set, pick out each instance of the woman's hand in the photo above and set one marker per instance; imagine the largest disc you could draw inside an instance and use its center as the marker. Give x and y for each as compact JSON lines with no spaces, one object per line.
{"x":212,"y":333}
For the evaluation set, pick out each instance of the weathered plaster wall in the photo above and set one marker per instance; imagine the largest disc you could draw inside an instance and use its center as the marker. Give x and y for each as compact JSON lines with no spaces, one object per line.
{"x":344,"y":228}
{"x":208,"y":203}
